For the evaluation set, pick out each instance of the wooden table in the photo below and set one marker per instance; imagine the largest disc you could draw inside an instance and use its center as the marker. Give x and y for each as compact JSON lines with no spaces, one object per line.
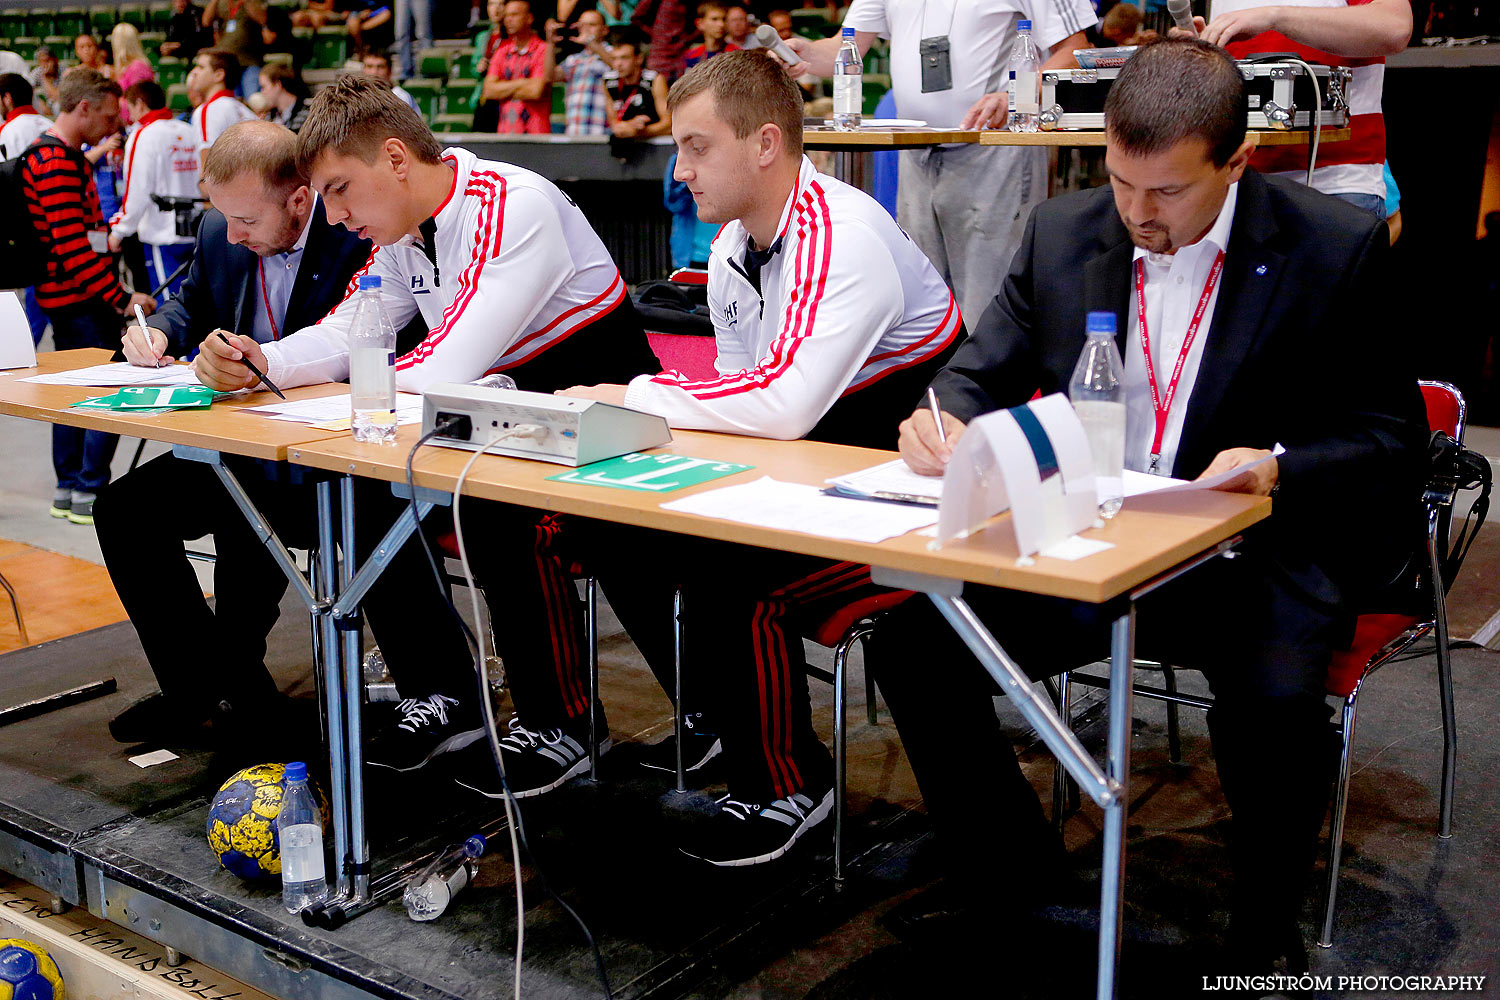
{"x":1156,"y":539}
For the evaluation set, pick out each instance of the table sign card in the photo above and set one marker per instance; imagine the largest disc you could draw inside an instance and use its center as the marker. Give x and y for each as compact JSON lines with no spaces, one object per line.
{"x":649,"y":473}
{"x":16,"y":347}
{"x":1032,"y":460}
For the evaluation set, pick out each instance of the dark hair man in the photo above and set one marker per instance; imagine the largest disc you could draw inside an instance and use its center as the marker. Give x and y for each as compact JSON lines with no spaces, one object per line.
{"x":827,"y":320}
{"x":711,"y":25}
{"x":520,"y":74}
{"x":1290,"y":283}
{"x":20,"y":122}
{"x":213,"y":77}
{"x":637,"y":96}
{"x":161,"y":159}
{"x":509,"y":277}
{"x":82,"y":295}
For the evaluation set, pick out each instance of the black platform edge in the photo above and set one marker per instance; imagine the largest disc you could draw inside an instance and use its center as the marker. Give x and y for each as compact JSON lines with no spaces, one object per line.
{"x":322,"y":955}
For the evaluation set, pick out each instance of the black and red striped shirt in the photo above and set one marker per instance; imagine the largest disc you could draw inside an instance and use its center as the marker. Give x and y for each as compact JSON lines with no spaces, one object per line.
{"x":64,"y":205}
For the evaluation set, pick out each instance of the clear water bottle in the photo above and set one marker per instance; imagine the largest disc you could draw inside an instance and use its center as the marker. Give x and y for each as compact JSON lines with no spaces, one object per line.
{"x":430,"y":891}
{"x":299,"y":829}
{"x":372,"y":366}
{"x":1098,"y":394}
{"x":1026,"y":69}
{"x":848,"y":84}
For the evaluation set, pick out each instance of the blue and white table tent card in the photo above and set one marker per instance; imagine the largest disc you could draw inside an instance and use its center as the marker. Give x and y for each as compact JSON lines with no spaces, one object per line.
{"x":1032,"y":460}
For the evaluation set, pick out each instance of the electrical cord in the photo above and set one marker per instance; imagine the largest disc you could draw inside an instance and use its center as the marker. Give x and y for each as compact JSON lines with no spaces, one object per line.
{"x":512,"y":810}
{"x":1317,"y":108}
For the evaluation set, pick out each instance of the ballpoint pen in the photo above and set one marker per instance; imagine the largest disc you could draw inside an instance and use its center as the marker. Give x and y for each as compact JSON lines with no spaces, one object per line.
{"x":937,"y":414}
{"x":141,"y":318}
{"x":253,"y":370}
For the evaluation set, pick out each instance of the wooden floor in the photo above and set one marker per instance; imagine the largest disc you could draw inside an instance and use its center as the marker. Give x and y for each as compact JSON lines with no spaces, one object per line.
{"x":59,"y":595}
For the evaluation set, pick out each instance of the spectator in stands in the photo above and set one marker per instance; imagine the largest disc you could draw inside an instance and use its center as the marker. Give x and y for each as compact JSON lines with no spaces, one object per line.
{"x":665,"y":23}
{"x":161,"y":159}
{"x":710,"y":24}
{"x":412,"y":17}
{"x":585,"y":99}
{"x":781,"y":20}
{"x":378,"y":65}
{"x":1122,"y":26}
{"x":22,"y":121}
{"x":519,"y":76}
{"x":637,"y":96}
{"x":130,"y":63}
{"x":185,"y":32}
{"x":212,"y":71}
{"x":617,"y":13}
{"x":285,"y":94}
{"x":239,"y":28}
{"x":363,"y":20}
{"x":737,"y":29}
{"x":90,"y":55}
{"x":487,"y":113}
{"x":44,"y":79}
{"x":810,"y":83}
{"x":83,"y":297}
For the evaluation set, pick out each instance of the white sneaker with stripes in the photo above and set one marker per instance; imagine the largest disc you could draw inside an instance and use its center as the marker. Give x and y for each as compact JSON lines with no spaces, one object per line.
{"x":746,"y":833}
{"x":536,"y":761}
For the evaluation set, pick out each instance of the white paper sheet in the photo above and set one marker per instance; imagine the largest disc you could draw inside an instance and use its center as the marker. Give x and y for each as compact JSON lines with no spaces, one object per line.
{"x":1138,"y":483}
{"x":894,"y":479}
{"x":120,"y":373}
{"x":769,"y":503}
{"x":329,"y":408}
{"x":152,"y":758}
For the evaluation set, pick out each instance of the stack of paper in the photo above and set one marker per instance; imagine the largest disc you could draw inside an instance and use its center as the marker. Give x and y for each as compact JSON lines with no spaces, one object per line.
{"x":768,"y":503}
{"x":332,"y":412}
{"x":120,"y":373}
{"x":892,"y":481}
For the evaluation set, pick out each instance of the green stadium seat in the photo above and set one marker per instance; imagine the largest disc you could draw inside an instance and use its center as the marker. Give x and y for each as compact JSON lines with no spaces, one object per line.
{"x":284,"y":58}
{"x":70,"y":21}
{"x":12,"y":24}
{"x":458,"y":101}
{"x":39,"y":22}
{"x":151,"y":41}
{"x":463,"y":68}
{"x":102,"y":18}
{"x":170,"y":70}
{"x":434,"y":63}
{"x":25,"y":46}
{"x":177,"y":98}
{"x":330,"y":47}
{"x":425,"y":93}
{"x":453,"y":123}
{"x":134,"y":13}
{"x":559,"y":99}
{"x":159,"y":16}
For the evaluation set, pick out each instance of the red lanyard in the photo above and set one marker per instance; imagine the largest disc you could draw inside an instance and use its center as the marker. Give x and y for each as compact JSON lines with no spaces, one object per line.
{"x":1162,"y":405}
{"x":266,"y":300}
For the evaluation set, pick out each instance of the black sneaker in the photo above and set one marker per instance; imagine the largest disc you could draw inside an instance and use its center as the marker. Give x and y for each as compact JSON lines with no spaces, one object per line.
{"x":748,"y":834}
{"x":535,"y":761}
{"x":699,"y":748}
{"x":422,"y":731}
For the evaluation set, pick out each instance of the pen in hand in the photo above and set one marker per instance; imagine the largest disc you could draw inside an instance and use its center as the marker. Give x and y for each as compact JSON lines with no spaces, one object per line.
{"x":253,"y":370}
{"x":937,"y":414}
{"x":141,"y":318}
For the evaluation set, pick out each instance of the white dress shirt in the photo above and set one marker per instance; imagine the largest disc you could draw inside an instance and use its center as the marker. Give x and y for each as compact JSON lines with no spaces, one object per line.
{"x":1174,"y":284}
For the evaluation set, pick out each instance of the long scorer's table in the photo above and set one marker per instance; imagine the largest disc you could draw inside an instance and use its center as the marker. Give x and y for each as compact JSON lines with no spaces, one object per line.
{"x":1155,"y":539}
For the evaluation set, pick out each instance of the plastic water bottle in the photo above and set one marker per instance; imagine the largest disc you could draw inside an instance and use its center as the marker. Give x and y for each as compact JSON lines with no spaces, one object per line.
{"x":848,"y":84}
{"x":430,"y":891}
{"x":299,"y":828}
{"x":1026,"y":68}
{"x":1098,"y":394}
{"x":372,"y":366}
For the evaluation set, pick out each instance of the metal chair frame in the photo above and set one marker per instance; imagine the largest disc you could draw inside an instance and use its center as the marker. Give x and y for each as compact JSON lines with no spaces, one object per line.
{"x":1438,"y":498}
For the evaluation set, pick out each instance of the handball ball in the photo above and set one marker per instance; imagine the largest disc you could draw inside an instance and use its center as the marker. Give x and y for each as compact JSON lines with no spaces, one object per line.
{"x":27,"y":972}
{"x":242,"y":821}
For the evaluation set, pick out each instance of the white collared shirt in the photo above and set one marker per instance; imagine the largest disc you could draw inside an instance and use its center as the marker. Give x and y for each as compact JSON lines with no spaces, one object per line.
{"x":280,"y":273}
{"x":1174,"y":284}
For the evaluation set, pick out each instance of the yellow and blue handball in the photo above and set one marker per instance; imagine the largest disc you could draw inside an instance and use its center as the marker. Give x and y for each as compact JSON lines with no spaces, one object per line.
{"x":242,"y":821}
{"x":27,"y":972}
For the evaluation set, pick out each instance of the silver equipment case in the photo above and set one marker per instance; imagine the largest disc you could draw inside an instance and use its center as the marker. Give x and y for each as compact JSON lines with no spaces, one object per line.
{"x":1281,"y":96}
{"x":539,"y":425}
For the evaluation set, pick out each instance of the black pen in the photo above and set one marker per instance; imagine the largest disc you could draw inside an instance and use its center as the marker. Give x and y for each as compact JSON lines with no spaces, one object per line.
{"x":253,"y":370}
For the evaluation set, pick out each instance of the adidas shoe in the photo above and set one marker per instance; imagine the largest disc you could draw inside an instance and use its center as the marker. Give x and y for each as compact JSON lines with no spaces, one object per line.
{"x":422,"y":731}
{"x":748,"y":834}
{"x":536,"y":761}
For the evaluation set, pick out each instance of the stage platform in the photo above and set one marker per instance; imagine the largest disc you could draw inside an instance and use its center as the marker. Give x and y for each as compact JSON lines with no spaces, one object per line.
{"x":90,"y":828}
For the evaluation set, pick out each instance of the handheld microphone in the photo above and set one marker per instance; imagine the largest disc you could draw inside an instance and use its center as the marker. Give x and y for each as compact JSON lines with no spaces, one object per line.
{"x":769,"y":39}
{"x":1182,"y":14}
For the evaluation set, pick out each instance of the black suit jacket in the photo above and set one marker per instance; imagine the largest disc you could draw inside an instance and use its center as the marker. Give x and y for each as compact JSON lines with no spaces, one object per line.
{"x":221,"y":288}
{"x":1300,"y":351}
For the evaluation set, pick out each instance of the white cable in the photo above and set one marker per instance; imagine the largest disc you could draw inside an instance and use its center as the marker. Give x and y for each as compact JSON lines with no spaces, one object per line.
{"x":1316,"y":119}
{"x":488,"y":714}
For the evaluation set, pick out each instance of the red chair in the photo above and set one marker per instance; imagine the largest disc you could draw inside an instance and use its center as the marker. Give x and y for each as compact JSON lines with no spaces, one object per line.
{"x":1378,"y":639}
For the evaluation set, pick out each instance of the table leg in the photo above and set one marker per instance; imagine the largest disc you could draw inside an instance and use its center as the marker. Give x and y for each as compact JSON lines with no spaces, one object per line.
{"x":351,"y":635}
{"x":1117,"y":769}
{"x":329,"y":666}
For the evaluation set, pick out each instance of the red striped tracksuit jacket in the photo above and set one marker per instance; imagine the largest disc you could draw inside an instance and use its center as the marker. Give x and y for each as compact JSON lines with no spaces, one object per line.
{"x":64,"y":205}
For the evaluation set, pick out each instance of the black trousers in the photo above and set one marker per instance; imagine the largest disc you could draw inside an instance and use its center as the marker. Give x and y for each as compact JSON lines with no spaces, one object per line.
{"x":1253,"y":625}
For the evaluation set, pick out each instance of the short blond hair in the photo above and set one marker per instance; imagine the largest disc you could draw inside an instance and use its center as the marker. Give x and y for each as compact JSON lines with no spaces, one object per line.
{"x":750,"y":89}
{"x":354,"y":116}
{"x":265,"y":149}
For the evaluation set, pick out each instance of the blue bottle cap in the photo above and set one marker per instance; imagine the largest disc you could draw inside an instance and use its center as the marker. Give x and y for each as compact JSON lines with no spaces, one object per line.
{"x":1101,"y":322}
{"x":368,"y":281}
{"x":297,"y":770}
{"x":848,"y":33}
{"x":1023,"y":25}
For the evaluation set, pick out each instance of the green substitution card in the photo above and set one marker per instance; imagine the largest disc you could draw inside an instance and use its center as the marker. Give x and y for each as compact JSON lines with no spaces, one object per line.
{"x":156,"y":399}
{"x":650,"y":473}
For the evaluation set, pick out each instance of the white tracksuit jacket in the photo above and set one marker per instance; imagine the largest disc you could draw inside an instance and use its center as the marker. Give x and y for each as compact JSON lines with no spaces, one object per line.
{"x":520,"y":269}
{"x":161,"y":157}
{"x":213,"y":116}
{"x":21,"y":129}
{"x":848,"y":299}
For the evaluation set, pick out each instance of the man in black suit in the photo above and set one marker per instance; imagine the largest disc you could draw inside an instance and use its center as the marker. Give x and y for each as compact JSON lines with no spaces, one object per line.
{"x":266,"y":261}
{"x":1293,"y":351}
